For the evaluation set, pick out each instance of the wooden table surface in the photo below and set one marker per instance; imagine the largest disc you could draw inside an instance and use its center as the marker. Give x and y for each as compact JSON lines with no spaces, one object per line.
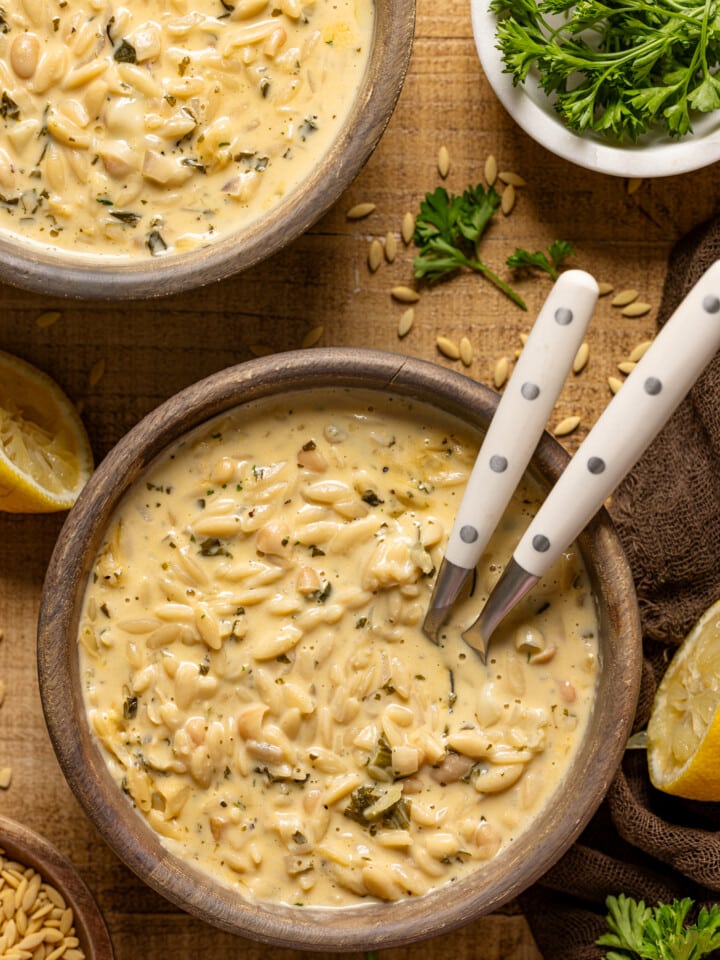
{"x":144,"y":351}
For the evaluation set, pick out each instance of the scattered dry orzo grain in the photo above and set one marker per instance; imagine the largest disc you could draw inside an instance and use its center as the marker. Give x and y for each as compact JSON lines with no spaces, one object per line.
{"x":260,"y":349}
{"x":491,"y":170}
{"x":466,"y":351}
{"x":633,"y":185}
{"x":636,"y":309}
{"x":624,"y":297}
{"x":566,"y":426}
{"x":627,"y":366}
{"x":507,"y":201}
{"x":97,"y":372}
{"x":407,"y":229}
{"x":448,"y":348}
{"x":524,"y":338}
{"x":512,"y":179}
{"x":581,"y":357}
{"x":47,"y":318}
{"x":604,"y":288}
{"x":360,"y":210}
{"x":375,"y":255}
{"x":443,"y":161}
{"x":501,"y":372}
{"x":313,"y":336}
{"x":5,"y":777}
{"x":614,"y":383}
{"x":390,"y":246}
{"x":404,"y":294}
{"x":407,"y":319}
{"x":639,"y":351}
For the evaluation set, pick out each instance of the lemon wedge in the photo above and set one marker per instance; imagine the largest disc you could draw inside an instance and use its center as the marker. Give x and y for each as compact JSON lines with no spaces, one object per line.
{"x":45,"y":455}
{"x":684,"y":728}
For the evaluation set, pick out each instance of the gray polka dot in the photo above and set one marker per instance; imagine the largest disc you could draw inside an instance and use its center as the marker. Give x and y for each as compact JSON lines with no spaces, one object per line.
{"x":468,"y":534}
{"x":540,"y":543}
{"x":563,"y":316}
{"x":596,"y":464}
{"x":531,"y":391}
{"x":711,"y":303}
{"x":653,"y":386}
{"x":498,"y":464}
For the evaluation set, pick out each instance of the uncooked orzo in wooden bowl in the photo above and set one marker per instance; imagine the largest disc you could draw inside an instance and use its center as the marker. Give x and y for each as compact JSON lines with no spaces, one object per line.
{"x":46,"y":910}
{"x":254,"y":696}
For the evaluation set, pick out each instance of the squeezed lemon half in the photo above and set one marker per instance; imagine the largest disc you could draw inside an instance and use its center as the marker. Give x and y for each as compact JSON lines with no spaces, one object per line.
{"x":684,"y":728}
{"x":45,"y":455}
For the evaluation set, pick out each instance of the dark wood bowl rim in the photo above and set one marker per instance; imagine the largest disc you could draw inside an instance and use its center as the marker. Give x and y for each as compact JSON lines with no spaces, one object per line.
{"x":34,"y":267}
{"x":373,"y":925}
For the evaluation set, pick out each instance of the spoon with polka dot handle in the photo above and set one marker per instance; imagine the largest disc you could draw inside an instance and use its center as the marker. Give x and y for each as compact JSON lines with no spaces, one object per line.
{"x":513,"y":434}
{"x":627,"y":426}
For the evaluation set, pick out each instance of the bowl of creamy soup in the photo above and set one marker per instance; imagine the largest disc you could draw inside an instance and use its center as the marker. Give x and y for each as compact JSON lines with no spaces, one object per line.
{"x":237,"y":685}
{"x":149,"y":148}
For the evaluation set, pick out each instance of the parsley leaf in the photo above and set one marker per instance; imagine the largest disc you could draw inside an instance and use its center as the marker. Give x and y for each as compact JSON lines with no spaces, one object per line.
{"x":637,"y":932}
{"x":558,"y":251}
{"x":125,"y":53}
{"x":620,"y":70}
{"x":448,"y":231}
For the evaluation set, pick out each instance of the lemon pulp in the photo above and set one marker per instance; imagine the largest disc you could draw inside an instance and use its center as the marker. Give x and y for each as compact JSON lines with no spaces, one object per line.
{"x":45,"y":455}
{"x":684,"y":727}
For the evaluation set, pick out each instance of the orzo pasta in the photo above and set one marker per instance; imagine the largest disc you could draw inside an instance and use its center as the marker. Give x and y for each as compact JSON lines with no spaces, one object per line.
{"x":141,"y":128}
{"x":254,"y":666}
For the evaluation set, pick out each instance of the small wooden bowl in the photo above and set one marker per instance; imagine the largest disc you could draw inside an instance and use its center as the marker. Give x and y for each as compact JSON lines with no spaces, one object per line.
{"x":29,"y":265}
{"x":372,"y":925}
{"x":22,"y":844}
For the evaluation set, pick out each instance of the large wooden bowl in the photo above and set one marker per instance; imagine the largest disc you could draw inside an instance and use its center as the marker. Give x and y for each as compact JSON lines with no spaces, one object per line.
{"x":105,"y":278}
{"x":379,"y":925}
{"x":22,"y":844}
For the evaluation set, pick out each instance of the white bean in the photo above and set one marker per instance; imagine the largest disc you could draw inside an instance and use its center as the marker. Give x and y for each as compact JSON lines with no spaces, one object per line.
{"x":24,"y":54}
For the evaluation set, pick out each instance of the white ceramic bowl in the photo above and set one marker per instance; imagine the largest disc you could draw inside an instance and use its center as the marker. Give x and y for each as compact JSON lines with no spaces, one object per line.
{"x":376,"y":925}
{"x":656,"y":155}
{"x":35,"y":267}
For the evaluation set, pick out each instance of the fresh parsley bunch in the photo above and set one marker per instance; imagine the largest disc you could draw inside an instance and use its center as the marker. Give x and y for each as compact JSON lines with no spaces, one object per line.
{"x":637,"y":932}
{"x":618,"y":67}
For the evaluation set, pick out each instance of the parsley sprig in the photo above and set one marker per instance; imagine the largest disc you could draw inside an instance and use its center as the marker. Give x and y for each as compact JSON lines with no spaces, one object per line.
{"x":638,"y":932}
{"x":619,"y":69}
{"x":448,"y":230}
{"x":549,"y":262}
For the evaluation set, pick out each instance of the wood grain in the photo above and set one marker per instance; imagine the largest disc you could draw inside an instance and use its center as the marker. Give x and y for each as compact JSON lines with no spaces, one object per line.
{"x":153,"y":348}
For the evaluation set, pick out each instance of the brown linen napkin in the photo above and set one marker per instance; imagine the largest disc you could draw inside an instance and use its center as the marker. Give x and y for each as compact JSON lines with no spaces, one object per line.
{"x":641,"y":842}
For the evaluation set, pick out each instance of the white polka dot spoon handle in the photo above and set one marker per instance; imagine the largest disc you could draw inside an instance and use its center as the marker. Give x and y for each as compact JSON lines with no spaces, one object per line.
{"x":632,"y":419}
{"x":514,"y":432}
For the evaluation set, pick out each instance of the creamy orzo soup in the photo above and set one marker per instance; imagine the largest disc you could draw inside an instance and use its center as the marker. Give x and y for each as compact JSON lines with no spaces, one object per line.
{"x":138,"y":129}
{"x":255,"y":671}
